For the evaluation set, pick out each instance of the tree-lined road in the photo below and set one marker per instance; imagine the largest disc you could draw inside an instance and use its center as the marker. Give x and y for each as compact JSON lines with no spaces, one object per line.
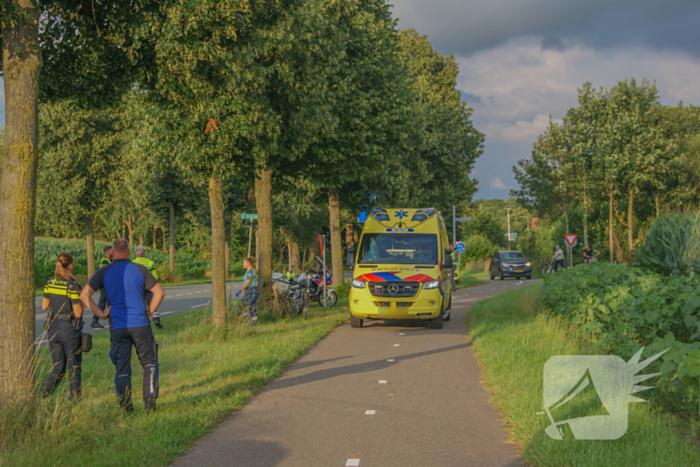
{"x":395,"y":393}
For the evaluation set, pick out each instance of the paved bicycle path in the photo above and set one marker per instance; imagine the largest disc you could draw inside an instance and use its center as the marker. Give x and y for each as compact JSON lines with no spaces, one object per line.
{"x":394,"y":393}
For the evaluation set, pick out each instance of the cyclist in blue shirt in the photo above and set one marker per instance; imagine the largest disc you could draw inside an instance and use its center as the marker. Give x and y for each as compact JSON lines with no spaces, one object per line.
{"x":125,"y":283}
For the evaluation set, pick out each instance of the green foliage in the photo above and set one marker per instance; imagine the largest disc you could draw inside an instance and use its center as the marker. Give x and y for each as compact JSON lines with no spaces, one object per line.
{"x":620,"y":308}
{"x":671,"y":245}
{"x":478,"y":247}
{"x":46,"y":250}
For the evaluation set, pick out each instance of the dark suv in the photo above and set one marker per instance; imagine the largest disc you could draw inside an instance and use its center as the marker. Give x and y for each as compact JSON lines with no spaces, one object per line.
{"x":509,"y":264}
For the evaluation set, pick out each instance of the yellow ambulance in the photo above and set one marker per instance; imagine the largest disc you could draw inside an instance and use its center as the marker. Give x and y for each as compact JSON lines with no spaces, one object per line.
{"x":402,"y":268}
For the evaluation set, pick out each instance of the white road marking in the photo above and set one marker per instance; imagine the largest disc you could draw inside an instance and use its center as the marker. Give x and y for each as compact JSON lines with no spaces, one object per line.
{"x":390,"y":360}
{"x":370,"y":412}
{"x":198,"y":306}
{"x":396,"y":345}
{"x":519,"y":283}
{"x":402,"y":334}
{"x":188,"y":293}
{"x":382,"y":381}
{"x":179,"y":295}
{"x":352,"y":463}
{"x":167,"y":313}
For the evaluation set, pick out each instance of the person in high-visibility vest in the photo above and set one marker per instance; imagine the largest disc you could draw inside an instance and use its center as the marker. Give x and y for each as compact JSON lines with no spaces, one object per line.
{"x":141,"y":259}
{"x":102,"y":305}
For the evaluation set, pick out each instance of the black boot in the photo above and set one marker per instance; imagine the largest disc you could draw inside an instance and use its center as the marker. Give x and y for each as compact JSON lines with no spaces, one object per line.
{"x":96,"y":323}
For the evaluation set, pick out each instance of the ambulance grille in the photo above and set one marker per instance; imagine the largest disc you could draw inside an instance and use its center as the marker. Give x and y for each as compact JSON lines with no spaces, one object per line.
{"x":394,"y":289}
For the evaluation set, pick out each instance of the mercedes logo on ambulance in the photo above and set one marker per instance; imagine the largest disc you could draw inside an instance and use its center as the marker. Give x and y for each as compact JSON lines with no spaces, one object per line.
{"x":393,"y":289}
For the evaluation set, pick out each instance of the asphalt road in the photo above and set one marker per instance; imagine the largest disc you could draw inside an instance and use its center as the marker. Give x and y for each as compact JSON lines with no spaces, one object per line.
{"x":394,"y":393}
{"x":177,"y":300}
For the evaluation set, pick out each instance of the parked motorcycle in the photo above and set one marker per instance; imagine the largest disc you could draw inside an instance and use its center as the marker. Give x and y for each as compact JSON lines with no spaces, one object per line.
{"x":317,"y":286}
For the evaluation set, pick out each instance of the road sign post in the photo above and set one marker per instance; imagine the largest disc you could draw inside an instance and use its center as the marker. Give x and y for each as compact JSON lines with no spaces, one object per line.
{"x":571,"y":241}
{"x":250,"y":218}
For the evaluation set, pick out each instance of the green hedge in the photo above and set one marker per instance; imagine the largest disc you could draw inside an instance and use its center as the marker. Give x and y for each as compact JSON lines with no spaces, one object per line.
{"x":46,"y":250}
{"x":621,"y":308}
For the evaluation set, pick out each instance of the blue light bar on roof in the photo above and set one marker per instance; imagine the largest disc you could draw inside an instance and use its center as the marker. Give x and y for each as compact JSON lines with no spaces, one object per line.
{"x":428,"y":211}
{"x":378,"y":211}
{"x":381,"y":217}
{"x":418,"y":218}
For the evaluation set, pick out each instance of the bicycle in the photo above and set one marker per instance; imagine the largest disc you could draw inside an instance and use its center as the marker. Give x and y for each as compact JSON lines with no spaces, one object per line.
{"x":592,"y":259}
{"x":549,"y":267}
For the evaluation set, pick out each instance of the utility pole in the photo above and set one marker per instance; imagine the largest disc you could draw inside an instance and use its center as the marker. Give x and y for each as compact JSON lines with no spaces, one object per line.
{"x":508,"y":210}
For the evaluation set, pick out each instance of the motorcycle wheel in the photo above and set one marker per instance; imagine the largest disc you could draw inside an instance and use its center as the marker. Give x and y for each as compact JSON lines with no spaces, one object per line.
{"x":331,"y":299}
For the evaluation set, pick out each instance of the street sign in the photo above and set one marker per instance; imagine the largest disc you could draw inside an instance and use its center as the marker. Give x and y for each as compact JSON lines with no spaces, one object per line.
{"x":513,"y":236}
{"x":571,"y":240}
{"x":463,"y":219}
{"x":460,"y":247}
{"x":249,"y":216}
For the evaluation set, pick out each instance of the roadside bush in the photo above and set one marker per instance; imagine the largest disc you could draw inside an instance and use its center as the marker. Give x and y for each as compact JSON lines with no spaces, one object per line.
{"x":478,"y":247}
{"x":343,"y":290}
{"x":672,"y":245}
{"x":621,"y":307}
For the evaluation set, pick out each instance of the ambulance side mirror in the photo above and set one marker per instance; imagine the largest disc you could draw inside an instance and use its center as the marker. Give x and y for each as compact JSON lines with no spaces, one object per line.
{"x":447,"y":262}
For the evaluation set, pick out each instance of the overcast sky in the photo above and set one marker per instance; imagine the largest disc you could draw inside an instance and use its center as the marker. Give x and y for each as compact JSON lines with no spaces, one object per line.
{"x":522,"y":60}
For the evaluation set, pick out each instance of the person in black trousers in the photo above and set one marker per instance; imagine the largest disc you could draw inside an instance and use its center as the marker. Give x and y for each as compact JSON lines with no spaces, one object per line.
{"x":103,"y":294}
{"x":62,"y":297}
{"x":129,"y":321}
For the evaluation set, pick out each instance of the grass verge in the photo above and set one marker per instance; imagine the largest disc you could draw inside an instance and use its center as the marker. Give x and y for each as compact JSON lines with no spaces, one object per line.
{"x":513,"y":337}
{"x":205,"y":374}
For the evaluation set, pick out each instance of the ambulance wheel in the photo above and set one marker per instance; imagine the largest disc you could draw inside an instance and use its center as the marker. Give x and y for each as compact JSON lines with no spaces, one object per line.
{"x":355,"y":322}
{"x":448,"y":313}
{"x":529,"y":277}
{"x":436,"y":323}
{"x":490,"y":276}
{"x":500,"y":275}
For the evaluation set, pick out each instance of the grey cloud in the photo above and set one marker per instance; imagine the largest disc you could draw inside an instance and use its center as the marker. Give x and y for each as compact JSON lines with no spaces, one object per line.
{"x":464,"y":27}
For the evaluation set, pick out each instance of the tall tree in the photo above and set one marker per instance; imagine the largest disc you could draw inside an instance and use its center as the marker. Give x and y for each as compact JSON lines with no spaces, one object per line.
{"x":22,"y":63}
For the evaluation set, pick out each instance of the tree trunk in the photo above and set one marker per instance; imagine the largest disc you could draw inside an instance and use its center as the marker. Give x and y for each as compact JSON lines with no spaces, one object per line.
{"x":90,"y":240}
{"x":218,"y":277}
{"x":336,"y":241}
{"x":131,"y":231}
{"x":162,"y":233}
{"x":141,"y":240}
{"x":303,"y":261}
{"x":295,"y":257}
{"x":566,"y":216}
{"x":585,"y":215}
{"x":263,"y":203}
{"x":610,"y":222}
{"x":155,"y":238}
{"x":656,"y":202}
{"x":21,"y":66}
{"x":171,"y":255}
{"x":630,"y":221}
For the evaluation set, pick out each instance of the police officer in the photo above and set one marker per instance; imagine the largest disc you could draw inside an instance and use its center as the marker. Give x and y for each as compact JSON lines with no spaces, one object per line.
{"x":103,"y":294}
{"x":125,"y":282}
{"x":62,"y":296}
{"x":140,"y":252}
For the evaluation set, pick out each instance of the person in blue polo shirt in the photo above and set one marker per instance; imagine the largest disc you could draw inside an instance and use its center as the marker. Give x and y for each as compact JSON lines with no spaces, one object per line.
{"x":125,"y":283}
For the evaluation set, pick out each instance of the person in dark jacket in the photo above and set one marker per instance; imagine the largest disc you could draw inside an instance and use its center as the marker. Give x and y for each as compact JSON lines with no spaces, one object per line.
{"x":129,"y":319}
{"x":62,"y":297}
{"x":103,"y":295}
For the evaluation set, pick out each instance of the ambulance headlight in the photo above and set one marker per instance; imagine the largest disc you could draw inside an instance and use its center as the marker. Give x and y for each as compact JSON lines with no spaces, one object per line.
{"x":358,"y":284}
{"x":431,"y":285}
{"x":528,"y":264}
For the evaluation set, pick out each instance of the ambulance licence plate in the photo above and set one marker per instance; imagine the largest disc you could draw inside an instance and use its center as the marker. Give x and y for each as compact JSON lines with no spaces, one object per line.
{"x":518,"y":270}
